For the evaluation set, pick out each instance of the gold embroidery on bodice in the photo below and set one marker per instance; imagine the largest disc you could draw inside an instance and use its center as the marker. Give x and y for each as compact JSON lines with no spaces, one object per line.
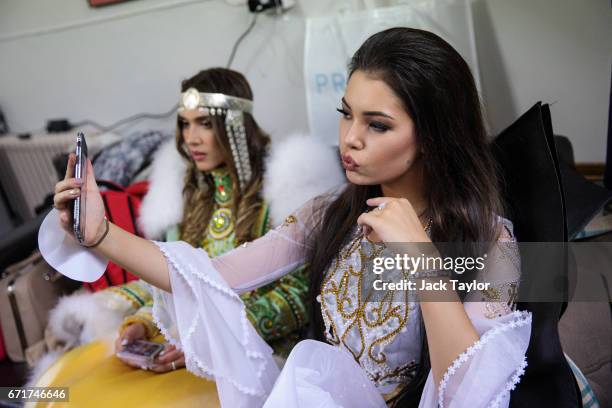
{"x":366,"y":328}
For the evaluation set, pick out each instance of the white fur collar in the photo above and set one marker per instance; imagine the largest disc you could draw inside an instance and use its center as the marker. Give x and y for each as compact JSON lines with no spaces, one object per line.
{"x":299,"y":168}
{"x":162,"y":206}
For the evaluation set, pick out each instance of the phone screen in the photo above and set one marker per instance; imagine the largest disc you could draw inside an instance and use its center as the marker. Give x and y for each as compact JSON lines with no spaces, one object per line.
{"x":141,"y":352}
{"x":144,"y":348}
{"x":80,"y":171}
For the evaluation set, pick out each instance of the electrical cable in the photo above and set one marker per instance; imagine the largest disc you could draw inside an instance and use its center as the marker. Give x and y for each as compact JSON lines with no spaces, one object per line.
{"x":173,"y":110}
{"x":239,"y":40}
{"x":129,"y":119}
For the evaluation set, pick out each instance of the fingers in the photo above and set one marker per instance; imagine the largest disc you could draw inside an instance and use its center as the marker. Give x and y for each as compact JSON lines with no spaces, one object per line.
{"x":130,"y":334}
{"x":388,"y":201}
{"x":128,"y":362}
{"x":180,"y":363}
{"x":375,"y":202}
{"x":168,"y":356}
{"x":61,"y":200}
{"x":70,"y":166}
{"x":66,"y":191}
{"x":370,"y":219}
{"x":168,"y":348}
{"x":164,"y":368}
{"x":135,"y":331}
{"x":369,"y":223}
{"x":67,"y":184}
{"x":121,"y":341}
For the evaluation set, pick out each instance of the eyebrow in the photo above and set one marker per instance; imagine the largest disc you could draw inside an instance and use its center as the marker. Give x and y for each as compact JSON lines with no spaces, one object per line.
{"x":369,"y":113}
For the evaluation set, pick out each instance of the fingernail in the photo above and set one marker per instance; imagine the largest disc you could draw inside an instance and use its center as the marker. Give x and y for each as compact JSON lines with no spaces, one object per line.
{"x":74,"y":191}
{"x":124,"y":342}
{"x":79,"y":181}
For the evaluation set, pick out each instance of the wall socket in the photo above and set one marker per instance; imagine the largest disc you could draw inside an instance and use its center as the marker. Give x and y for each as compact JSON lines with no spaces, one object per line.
{"x":258,"y":6}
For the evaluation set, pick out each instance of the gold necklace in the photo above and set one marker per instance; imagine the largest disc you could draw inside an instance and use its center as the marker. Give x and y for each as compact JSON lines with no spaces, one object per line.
{"x":428,"y":225}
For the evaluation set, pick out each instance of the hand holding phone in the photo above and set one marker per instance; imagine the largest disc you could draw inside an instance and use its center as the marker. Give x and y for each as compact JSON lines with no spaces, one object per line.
{"x":79,"y":205}
{"x":86,"y":222}
{"x":140,"y":353}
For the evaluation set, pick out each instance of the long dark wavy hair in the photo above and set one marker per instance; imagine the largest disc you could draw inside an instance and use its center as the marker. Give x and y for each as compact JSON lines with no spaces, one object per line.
{"x":199,"y":201}
{"x":438,"y":92}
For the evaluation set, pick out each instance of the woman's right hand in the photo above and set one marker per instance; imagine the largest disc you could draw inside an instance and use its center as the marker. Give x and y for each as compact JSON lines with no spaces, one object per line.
{"x":70,"y":188}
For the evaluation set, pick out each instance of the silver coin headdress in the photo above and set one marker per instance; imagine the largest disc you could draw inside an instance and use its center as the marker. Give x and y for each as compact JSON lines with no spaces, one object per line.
{"x":217,"y":104}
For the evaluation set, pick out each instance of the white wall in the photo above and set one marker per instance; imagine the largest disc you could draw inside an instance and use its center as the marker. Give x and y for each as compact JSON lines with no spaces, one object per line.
{"x":108,"y":69}
{"x":62,"y":59}
{"x":557,"y":51}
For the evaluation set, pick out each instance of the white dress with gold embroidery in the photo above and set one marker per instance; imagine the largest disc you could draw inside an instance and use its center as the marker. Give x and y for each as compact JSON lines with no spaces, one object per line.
{"x":383,"y":337}
{"x":373,"y":347}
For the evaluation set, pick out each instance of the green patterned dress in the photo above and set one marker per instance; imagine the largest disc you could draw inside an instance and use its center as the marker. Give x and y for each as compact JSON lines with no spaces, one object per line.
{"x":277,"y":311}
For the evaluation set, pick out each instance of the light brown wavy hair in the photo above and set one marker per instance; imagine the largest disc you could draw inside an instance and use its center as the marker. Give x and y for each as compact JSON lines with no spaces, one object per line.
{"x":198,"y":201}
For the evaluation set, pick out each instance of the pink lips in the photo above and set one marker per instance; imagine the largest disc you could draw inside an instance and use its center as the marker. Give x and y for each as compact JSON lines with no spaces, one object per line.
{"x":348,"y":163}
{"x":197,"y":156}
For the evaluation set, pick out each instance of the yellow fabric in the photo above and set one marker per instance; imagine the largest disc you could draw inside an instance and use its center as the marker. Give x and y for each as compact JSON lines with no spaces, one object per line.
{"x":146,"y":319}
{"x":96,"y":378}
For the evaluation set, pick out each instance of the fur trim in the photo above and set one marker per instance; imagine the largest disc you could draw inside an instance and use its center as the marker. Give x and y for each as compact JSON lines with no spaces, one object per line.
{"x":41,"y":367}
{"x":162,"y":206}
{"x":78,"y":319}
{"x":84,"y":317}
{"x":299,"y":168}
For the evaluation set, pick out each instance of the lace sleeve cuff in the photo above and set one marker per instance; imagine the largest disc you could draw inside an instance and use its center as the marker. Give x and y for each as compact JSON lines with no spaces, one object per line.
{"x":515,"y":324}
{"x":207,"y":320}
{"x":485,"y":373}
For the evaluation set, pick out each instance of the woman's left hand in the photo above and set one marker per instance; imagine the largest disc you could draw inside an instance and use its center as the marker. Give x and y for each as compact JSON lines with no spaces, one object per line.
{"x":164,"y":362}
{"x":396,"y":222}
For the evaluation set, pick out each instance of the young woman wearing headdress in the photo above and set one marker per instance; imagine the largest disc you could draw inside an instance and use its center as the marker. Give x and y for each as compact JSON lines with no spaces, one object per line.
{"x":414,"y":149}
{"x":218,"y":158}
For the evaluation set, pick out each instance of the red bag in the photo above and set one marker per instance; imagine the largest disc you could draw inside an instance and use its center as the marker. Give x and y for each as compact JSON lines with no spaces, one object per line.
{"x":122,"y":205}
{"x":2,"y":348}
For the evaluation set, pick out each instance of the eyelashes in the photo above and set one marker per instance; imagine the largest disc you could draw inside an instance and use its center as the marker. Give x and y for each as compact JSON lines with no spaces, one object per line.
{"x":204,"y":123}
{"x":379,"y":127}
{"x":376,"y":126}
{"x":343,"y":113}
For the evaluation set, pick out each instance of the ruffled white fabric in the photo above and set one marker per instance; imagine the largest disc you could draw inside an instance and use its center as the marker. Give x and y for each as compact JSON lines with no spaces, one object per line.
{"x":320,"y":375}
{"x":207,"y":320}
{"x":220,"y":344}
{"x":487,"y":371}
{"x":65,"y":255}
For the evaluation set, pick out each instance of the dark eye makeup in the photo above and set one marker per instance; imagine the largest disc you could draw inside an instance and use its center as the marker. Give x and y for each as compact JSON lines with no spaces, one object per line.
{"x":379,"y":127}
{"x":343,"y":112}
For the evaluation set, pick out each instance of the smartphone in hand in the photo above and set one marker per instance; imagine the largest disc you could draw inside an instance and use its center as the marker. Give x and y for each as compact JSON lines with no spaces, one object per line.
{"x":79,"y":205}
{"x":141,"y":352}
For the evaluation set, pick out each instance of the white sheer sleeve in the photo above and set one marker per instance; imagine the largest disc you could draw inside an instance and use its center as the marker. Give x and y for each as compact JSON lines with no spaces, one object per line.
{"x":485,"y":373}
{"x":277,"y":253}
{"x":205,"y":317}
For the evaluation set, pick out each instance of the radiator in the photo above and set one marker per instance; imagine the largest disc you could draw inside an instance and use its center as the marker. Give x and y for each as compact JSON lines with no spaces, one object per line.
{"x":27,"y":173}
